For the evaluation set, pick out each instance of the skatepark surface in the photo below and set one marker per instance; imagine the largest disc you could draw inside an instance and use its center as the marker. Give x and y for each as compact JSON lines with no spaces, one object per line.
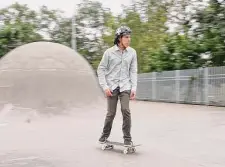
{"x":52,"y":113}
{"x":172,"y":135}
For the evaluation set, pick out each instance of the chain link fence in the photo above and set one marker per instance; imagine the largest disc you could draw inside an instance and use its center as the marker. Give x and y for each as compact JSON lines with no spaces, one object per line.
{"x":205,"y":86}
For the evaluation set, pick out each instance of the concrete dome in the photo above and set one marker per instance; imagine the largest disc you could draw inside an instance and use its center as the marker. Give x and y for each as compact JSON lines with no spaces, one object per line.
{"x":47,"y":76}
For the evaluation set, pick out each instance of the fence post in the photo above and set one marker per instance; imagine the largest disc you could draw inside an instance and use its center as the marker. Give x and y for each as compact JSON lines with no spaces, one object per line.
{"x":154,"y":86}
{"x":206,"y":83}
{"x":177,"y":85}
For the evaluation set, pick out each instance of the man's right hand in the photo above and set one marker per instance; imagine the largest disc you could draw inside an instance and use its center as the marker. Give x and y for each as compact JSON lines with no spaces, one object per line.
{"x":108,"y":92}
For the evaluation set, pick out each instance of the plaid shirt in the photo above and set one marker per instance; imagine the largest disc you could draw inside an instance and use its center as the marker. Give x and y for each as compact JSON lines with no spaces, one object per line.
{"x":117,"y":69}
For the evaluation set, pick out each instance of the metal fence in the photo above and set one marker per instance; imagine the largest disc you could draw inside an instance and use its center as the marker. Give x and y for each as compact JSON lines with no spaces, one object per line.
{"x":204,"y":86}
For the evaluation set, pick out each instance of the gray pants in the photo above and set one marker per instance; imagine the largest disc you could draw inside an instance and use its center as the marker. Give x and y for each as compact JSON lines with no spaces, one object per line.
{"x":112,"y":107}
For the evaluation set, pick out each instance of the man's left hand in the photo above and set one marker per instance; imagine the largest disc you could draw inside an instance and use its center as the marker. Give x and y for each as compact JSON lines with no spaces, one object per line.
{"x":132,"y":95}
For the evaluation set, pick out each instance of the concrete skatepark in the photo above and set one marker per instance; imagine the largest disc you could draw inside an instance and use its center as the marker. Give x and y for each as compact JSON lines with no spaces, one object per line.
{"x":54,"y":119}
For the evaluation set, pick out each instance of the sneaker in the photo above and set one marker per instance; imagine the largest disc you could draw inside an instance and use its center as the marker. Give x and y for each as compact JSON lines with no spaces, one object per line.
{"x":127,"y":143}
{"x":102,"y":140}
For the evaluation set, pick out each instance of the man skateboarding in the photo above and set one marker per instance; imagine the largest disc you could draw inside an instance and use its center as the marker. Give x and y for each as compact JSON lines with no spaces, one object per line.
{"x":117,"y":74}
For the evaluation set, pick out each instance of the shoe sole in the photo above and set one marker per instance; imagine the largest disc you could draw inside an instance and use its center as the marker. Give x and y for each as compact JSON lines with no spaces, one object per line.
{"x":127,"y":145}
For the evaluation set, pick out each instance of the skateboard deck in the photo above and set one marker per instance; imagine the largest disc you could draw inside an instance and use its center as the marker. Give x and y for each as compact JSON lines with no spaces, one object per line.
{"x":127,"y":149}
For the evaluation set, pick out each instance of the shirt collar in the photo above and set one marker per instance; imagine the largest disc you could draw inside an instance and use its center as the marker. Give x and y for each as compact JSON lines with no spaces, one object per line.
{"x":117,"y":48}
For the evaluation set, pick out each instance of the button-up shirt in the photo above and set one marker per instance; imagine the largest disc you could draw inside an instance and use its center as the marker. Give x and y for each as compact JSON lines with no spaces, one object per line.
{"x":118,"y":69}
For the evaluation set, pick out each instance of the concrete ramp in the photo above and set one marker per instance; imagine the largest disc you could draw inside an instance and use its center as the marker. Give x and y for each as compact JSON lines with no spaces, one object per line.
{"x":47,"y":77}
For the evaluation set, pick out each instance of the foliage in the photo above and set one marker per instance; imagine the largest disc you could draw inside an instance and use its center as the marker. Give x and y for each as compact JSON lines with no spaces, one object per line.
{"x":200,"y":32}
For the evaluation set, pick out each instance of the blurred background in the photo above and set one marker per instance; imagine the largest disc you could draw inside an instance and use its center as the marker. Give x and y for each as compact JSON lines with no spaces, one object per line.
{"x":180,"y":43}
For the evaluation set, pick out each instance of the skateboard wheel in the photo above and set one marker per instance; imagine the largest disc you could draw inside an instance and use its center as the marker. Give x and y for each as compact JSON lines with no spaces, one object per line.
{"x":103,"y":147}
{"x":125,"y":151}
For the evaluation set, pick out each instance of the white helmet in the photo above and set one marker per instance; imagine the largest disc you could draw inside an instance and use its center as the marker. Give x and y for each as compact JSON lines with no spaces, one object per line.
{"x":122,"y":30}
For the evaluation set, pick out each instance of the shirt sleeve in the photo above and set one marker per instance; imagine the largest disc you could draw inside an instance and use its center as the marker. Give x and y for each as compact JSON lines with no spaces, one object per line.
{"x":133,"y":72}
{"x":102,"y":67}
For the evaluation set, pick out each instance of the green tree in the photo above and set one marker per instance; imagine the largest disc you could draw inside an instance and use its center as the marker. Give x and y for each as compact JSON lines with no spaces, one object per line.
{"x":211,"y":31}
{"x":93,"y":22}
{"x":18,"y":27}
{"x":178,"y":52}
{"x":147,"y":19}
{"x":21,"y":25}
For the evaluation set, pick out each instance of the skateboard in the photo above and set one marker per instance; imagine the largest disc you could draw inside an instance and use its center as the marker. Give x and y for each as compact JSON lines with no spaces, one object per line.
{"x":127,"y":149}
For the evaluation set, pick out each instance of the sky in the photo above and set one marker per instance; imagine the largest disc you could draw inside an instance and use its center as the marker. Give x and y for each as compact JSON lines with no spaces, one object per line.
{"x":66,"y":5}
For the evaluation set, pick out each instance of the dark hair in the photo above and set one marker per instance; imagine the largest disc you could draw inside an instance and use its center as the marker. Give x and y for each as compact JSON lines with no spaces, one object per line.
{"x":116,"y":40}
